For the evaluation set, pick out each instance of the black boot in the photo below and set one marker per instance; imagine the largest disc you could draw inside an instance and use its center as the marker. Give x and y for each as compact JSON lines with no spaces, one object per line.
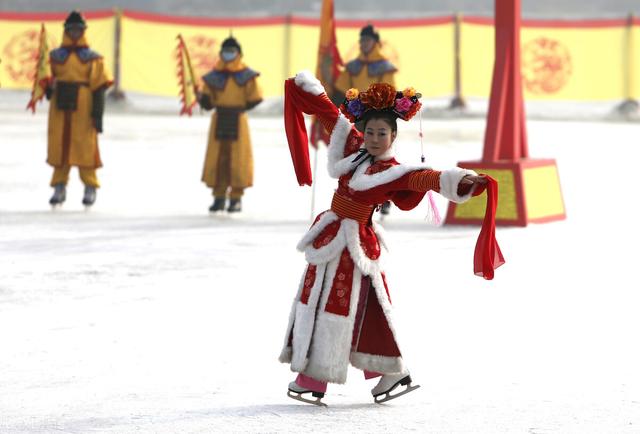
{"x":218,"y":204}
{"x":386,"y":207}
{"x":59,"y":194}
{"x":235,"y":205}
{"x":89,"y":197}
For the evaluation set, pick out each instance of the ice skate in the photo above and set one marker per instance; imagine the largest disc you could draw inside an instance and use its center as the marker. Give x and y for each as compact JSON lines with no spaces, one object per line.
{"x":388,"y":383}
{"x":89,"y":197}
{"x":296,"y":392}
{"x":218,"y":204}
{"x":59,"y":195}
{"x":235,"y":205}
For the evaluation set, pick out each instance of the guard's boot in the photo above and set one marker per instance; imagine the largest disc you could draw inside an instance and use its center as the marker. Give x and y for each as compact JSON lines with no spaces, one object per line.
{"x":59,"y":194}
{"x":218,"y":204}
{"x":386,"y":208}
{"x":89,"y":197}
{"x":235,"y":205}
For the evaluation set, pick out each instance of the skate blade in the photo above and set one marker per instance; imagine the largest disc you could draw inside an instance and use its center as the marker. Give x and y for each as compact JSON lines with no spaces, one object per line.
{"x":387,"y":396}
{"x":298,"y":397}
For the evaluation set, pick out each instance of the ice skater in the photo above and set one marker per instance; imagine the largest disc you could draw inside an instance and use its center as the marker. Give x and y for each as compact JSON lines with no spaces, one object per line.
{"x":342,"y":311}
{"x":77,"y":93}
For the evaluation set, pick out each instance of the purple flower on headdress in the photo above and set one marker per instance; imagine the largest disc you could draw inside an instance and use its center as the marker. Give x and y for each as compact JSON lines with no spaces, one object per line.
{"x":403,"y":105}
{"x":356,"y":108}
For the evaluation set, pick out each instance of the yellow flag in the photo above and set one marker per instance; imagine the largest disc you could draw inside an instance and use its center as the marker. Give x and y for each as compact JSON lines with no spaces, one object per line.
{"x":41,"y":76}
{"x":187,"y":80}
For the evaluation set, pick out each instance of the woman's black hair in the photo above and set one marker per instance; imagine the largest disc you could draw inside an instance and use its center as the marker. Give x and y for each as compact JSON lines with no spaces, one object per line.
{"x":386,"y":115}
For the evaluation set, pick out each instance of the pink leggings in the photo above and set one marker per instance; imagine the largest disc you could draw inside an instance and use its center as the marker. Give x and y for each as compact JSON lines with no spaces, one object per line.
{"x":321,"y":386}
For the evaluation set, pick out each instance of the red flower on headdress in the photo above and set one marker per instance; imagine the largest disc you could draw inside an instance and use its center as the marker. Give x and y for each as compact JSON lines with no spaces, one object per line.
{"x":379,"y":96}
{"x":412,"y":111}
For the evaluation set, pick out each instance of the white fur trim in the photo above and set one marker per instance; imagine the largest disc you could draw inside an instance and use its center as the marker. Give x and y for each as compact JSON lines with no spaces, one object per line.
{"x":360,"y":181}
{"x":331,"y":344}
{"x":337,"y":163}
{"x":388,"y":154}
{"x":368,"y":267}
{"x":304,"y":323}
{"x":326,"y":218}
{"x":449,"y":180}
{"x":309,"y":83}
{"x":375,"y":363}
{"x":380,"y":234}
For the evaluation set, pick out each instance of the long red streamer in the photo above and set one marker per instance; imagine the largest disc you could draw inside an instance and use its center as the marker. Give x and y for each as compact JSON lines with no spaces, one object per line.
{"x":296,"y":102}
{"x":487,"y":256}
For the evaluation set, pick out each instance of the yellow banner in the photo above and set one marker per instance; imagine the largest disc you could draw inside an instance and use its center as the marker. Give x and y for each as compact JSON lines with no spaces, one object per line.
{"x":560,"y":61}
{"x":576,"y":60}
{"x":19,"y":43}
{"x":422,"y":50}
{"x":149,"y":41}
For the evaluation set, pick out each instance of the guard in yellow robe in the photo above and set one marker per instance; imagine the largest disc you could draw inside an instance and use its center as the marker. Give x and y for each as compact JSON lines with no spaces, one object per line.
{"x":77,"y":98}
{"x":231,"y":88}
{"x":368,"y":68}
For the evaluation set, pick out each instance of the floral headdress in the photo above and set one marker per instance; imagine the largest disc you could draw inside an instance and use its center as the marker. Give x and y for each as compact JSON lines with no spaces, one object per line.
{"x":381,"y":97}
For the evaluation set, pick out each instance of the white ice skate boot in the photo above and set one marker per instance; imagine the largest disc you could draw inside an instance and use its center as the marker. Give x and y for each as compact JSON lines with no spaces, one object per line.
{"x":295,"y":392}
{"x":389,"y":382}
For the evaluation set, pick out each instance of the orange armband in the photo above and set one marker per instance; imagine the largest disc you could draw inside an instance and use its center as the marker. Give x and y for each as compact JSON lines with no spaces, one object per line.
{"x":424,"y":180}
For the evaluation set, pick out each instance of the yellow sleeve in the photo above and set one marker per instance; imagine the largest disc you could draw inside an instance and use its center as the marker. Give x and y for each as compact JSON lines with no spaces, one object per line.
{"x":253,"y":91}
{"x":206,"y":90}
{"x":343,"y":82}
{"x":389,"y":77}
{"x":99,"y":76}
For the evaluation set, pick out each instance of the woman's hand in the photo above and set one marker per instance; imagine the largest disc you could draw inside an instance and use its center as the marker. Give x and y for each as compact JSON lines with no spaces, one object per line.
{"x":466,"y":184}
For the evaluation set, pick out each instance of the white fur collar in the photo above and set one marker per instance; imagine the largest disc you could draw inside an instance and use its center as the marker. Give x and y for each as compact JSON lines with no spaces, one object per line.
{"x":361,"y":181}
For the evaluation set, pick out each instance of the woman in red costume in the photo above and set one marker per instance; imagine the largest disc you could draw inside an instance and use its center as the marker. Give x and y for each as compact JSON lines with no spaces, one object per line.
{"x":342,"y":311}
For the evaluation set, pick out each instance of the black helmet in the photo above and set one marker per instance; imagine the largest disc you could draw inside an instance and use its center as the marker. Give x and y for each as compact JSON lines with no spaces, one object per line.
{"x":231,"y":42}
{"x":75,"y":20}
{"x":369,"y":32}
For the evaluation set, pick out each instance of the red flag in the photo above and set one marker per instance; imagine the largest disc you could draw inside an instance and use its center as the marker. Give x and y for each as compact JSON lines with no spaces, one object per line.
{"x":327,"y":68}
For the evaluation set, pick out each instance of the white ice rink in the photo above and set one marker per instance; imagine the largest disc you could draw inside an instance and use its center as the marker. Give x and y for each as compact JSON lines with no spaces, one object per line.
{"x":148,"y":315}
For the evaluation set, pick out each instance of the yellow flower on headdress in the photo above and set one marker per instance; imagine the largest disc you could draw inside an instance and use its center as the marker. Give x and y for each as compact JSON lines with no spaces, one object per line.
{"x":352,"y":94}
{"x":409,"y":92}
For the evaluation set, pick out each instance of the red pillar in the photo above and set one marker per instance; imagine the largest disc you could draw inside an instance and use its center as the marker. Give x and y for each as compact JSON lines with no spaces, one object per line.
{"x":506,"y":155}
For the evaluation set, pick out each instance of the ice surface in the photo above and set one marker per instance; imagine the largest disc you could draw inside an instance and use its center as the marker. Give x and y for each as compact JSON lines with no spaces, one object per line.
{"x":147,"y":315}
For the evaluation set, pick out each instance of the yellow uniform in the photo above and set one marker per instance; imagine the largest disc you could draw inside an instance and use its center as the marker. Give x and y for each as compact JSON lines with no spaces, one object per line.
{"x":77,"y":72}
{"x":365,"y":70}
{"x":232,"y":88}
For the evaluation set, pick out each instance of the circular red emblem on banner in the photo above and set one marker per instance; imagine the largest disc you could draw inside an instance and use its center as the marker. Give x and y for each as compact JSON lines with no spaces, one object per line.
{"x":20,"y":56}
{"x":204,"y":54}
{"x":546,"y":66}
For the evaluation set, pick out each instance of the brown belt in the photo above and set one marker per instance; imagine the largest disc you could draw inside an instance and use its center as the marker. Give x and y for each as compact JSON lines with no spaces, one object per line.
{"x":350,"y":209}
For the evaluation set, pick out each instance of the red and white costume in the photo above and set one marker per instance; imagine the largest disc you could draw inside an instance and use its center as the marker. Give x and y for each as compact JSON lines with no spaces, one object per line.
{"x":342,"y":311}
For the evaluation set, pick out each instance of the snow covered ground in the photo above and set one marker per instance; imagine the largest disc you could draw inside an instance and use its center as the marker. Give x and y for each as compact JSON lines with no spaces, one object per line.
{"x":148,"y":315}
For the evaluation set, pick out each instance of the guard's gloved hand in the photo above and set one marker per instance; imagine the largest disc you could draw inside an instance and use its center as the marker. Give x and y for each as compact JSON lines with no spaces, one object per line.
{"x":48,"y":92}
{"x":252,"y":104}
{"x":205,"y":101}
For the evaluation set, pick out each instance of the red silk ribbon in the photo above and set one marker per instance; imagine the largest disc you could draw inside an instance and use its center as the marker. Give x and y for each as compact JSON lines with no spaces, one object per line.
{"x":487,"y":256}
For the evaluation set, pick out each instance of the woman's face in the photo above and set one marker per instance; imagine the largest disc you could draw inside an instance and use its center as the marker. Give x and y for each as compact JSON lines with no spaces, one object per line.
{"x":378,"y":137}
